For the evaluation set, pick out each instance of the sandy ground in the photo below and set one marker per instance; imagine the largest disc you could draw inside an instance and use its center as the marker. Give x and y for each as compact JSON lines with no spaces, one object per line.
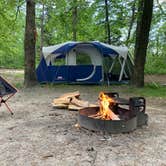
{"x":38,"y":135}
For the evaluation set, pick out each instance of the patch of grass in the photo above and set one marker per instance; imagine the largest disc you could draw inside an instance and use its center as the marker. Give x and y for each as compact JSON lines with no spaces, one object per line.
{"x":149,"y":90}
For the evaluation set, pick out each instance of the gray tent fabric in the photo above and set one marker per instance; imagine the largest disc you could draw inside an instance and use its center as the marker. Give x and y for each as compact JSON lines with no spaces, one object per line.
{"x":95,"y":50}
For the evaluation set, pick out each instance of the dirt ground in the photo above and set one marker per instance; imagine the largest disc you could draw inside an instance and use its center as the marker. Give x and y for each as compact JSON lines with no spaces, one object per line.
{"x":38,"y":135}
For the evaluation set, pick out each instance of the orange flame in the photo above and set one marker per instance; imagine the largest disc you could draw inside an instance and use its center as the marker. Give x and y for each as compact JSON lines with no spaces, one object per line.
{"x":105,"y":103}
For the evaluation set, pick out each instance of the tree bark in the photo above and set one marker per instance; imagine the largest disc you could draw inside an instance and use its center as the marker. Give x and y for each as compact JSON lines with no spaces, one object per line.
{"x":107,"y":24}
{"x":145,"y":9}
{"x":74,"y":21}
{"x":29,"y":44}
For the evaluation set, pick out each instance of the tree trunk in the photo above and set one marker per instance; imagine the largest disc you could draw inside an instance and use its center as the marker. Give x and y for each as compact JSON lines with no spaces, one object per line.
{"x":107,"y":22}
{"x":145,"y":9}
{"x":29,"y":44}
{"x":74,"y":21}
{"x":42,"y":31}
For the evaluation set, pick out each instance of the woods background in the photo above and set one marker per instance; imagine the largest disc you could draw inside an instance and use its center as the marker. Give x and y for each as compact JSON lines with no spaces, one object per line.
{"x":81,"y":20}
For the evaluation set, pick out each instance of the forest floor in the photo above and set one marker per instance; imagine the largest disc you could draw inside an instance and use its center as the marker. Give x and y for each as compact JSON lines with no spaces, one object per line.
{"x":39,"y":135}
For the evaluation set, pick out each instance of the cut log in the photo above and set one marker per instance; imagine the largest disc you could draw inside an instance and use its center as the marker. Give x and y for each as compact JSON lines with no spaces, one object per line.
{"x":71,"y":101}
{"x":78,"y":102}
{"x":74,"y":107}
{"x":93,"y":105}
{"x":62,"y":100}
{"x":95,"y":116}
{"x":70,"y":95}
{"x":60,"y":105}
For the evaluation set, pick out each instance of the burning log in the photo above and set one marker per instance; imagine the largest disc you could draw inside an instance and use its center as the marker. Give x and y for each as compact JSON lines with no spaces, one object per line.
{"x":106,"y":104}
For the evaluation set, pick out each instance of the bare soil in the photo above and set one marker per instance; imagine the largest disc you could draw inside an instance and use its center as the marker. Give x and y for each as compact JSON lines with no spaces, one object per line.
{"x":38,"y":135}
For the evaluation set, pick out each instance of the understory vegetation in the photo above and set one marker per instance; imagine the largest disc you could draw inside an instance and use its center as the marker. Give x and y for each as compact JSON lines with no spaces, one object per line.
{"x":54,"y":24}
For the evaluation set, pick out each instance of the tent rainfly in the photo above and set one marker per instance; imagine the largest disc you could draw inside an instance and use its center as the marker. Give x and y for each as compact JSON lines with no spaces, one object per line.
{"x":83,"y":62}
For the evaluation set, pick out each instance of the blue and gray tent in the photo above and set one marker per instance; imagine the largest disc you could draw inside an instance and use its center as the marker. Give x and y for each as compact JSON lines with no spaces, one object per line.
{"x":83,"y":62}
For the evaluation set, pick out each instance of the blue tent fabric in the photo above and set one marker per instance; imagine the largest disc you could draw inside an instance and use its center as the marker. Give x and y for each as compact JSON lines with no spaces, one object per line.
{"x":42,"y":72}
{"x":68,"y":73}
{"x":64,"y":49}
{"x":106,"y":51}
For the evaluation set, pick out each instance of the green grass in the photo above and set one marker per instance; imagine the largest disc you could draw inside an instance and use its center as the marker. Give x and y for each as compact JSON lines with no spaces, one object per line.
{"x":150,"y":90}
{"x":154,"y":65}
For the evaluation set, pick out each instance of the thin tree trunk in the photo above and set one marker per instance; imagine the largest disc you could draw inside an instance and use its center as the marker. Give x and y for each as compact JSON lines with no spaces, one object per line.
{"x":74,"y":21}
{"x":42,"y":31}
{"x":29,"y":44}
{"x":142,"y":36}
{"x":131,"y":22}
{"x":157,"y":45}
{"x":107,"y":22}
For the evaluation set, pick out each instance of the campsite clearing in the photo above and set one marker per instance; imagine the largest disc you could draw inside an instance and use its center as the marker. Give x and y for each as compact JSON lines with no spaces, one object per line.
{"x":37,"y":134}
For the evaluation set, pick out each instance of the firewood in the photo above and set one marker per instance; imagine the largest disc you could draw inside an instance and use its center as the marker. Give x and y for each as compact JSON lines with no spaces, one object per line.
{"x":78,"y":102}
{"x":61,"y":100}
{"x":95,"y":116}
{"x":70,"y":95}
{"x":112,"y":116}
{"x":74,"y":107}
{"x":93,"y":105}
{"x":60,"y":105}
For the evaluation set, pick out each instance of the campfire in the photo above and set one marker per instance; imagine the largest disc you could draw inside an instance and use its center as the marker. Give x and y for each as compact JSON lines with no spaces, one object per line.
{"x":111,"y":114}
{"x":106,"y":108}
{"x":114,"y":114}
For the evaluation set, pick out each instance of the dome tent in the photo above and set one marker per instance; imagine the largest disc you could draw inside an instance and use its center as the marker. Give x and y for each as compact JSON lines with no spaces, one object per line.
{"x":70,"y":71}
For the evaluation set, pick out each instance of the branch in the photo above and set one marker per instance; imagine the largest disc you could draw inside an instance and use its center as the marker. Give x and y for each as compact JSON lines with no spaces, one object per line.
{"x":18,"y":9}
{"x":131,"y":22}
{"x":160,"y":7}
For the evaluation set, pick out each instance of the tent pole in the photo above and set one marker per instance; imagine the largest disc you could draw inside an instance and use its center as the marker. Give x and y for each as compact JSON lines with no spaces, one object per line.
{"x":122,"y":70}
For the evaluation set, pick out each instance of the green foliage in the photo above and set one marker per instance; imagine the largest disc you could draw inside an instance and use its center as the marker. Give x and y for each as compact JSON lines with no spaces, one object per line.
{"x":90,"y":26}
{"x":155,"y":65}
{"x":83,"y":59}
{"x":11,"y":38}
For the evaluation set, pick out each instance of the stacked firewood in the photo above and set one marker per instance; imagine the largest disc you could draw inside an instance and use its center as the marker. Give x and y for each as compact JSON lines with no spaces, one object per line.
{"x":71,"y":101}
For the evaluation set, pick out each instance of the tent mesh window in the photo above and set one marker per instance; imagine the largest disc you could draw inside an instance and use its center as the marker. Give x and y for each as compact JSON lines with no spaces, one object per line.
{"x":114,"y":74}
{"x":58,"y":62}
{"x":83,"y":59}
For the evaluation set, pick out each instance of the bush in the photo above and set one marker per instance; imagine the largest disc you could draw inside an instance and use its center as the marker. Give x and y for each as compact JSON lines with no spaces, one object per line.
{"x":155,"y":65}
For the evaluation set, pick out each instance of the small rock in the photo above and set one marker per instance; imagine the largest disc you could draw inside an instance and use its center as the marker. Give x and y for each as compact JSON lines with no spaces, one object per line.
{"x":90,"y":149}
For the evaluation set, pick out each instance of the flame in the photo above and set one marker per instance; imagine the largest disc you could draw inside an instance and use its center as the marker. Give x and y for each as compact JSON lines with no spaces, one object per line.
{"x":105,"y":104}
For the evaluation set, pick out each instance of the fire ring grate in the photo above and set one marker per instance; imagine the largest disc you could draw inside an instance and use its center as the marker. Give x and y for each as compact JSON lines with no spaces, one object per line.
{"x":130,"y":118}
